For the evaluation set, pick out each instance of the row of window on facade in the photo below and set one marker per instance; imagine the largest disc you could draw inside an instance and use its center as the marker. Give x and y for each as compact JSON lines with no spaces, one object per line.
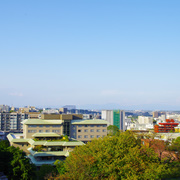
{"x":41,"y":131}
{"x":43,"y":126}
{"x":92,"y":130}
{"x":92,"y":136}
{"x":103,"y":125}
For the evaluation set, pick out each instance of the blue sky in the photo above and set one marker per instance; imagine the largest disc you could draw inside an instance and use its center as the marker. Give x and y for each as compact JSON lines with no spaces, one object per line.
{"x":92,"y":52}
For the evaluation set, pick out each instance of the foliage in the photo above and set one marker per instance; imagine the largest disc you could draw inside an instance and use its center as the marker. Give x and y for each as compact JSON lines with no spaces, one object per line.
{"x":45,"y":171}
{"x":112,"y":130}
{"x":40,"y":110}
{"x":160,"y":147}
{"x":134,"y":118}
{"x":65,"y":138}
{"x":113,"y":157}
{"x":14,"y":164}
{"x":60,"y":166}
{"x":154,"y":121}
{"x":38,"y":148}
{"x":175,"y":146}
{"x":62,"y":138}
{"x":12,"y":111}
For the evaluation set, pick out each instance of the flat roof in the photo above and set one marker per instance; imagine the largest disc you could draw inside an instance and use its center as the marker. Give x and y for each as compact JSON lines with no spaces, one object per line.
{"x":40,"y":163}
{"x":46,"y":135}
{"x":35,"y":143}
{"x":64,"y":143}
{"x":89,"y":121}
{"x":51,"y":153}
{"x":54,"y":143}
{"x":41,"y":121}
{"x":79,"y":143}
{"x":13,"y":138}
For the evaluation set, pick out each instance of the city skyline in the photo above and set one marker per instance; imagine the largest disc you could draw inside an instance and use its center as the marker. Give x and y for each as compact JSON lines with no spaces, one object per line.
{"x":93,"y":53}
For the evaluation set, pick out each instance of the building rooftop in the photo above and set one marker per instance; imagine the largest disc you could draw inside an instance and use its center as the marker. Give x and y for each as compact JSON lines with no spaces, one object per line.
{"x":12,"y":138}
{"x":16,"y":138}
{"x":89,"y":121}
{"x":46,"y":135}
{"x":40,"y":163}
{"x":51,"y":153}
{"x":41,"y":121}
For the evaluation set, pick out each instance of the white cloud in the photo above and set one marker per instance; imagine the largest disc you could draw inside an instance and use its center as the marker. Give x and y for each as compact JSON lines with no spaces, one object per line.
{"x":16,"y":94}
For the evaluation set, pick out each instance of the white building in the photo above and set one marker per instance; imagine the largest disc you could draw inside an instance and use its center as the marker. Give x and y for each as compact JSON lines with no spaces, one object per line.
{"x":114,"y":117}
{"x":145,"y":120}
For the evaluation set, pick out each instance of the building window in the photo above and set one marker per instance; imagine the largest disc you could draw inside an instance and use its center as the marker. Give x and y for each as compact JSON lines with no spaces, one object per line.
{"x":98,"y":130}
{"x":92,"y":125}
{"x":92,"y":130}
{"x":85,"y":125}
{"x":85,"y":136}
{"x":98,"y":125}
{"x":104,"y":125}
{"x":47,"y":125}
{"x":40,"y":131}
{"x":104,"y":130}
{"x":79,"y":125}
{"x":47,"y":130}
{"x":79,"y":136}
{"x":56,"y":126}
{"x":56,"y":131}
{"x":79,"y":130}
{"x":92,"y":136}
{"x":86,"y":130}
{"x":40,"y":125}
{"x":98,"y":136}
{"x":31,"y":131}
{"x":66,"y":128}
{"x":32,"y":126}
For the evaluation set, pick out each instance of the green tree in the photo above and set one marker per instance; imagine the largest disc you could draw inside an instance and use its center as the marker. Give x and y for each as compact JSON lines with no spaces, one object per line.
{"x":112,"y":130}
{"x":45,"y":171}
{"x":60,"y":166}
{"x":14,"y":163}
{"x":175,"y":147}
{"x":114,"y":157}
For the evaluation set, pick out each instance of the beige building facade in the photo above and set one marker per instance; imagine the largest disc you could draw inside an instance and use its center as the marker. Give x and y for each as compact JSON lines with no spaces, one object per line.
{"x":32,"y":126}
{"x":88,"y":129}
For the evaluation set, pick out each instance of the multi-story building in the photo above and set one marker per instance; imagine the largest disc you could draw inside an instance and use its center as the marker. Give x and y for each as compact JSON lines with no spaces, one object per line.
{"x":4,"y":108}
{"x":145,"y":120}
{"x":156,"y":114}
{"x":44,"y":140}
{"x":69,"y":107}
{"x":165,"y":127}
{"x":114,"y":117}
{"x":12,"y":121}
{"x":87,"y":116}
{"x":34,"y":115}
{"x":44,"y":148}
{"x":63,"y":110}
{"x":86,"y":130}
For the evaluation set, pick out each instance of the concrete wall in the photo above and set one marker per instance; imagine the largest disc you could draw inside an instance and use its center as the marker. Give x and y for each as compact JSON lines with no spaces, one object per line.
{"x":44,"y":129}
{"x":87,"y":131}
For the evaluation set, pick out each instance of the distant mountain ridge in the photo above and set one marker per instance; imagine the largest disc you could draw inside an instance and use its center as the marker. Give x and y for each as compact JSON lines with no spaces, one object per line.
{"x":110,"y":106}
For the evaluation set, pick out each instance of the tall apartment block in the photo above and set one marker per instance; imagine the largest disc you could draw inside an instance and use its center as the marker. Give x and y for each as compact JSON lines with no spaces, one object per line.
{"x":4,"y":108}
{"x":114,"y":117}
{"x":12,"y":121}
